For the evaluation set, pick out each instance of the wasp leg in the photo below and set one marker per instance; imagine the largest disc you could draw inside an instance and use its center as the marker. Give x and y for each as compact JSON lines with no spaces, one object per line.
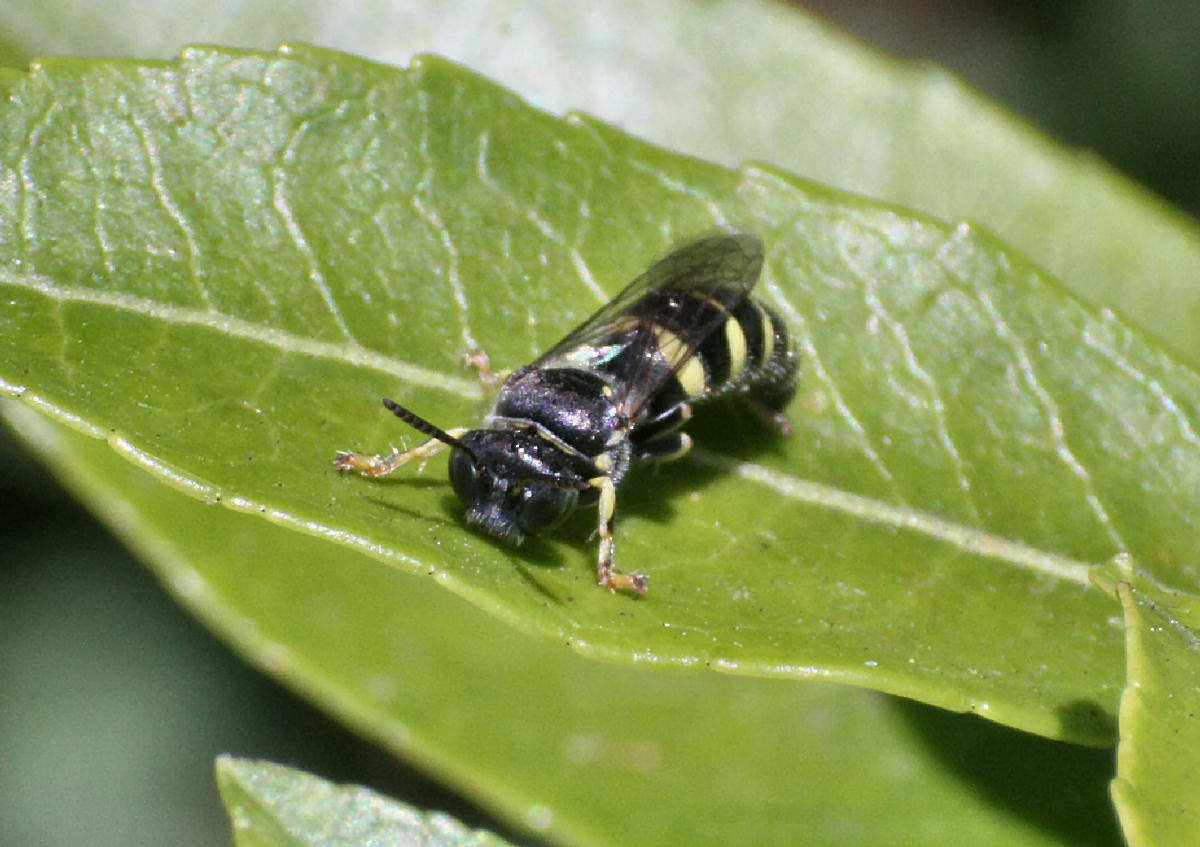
{"x":768,"y":415}
{"x":376,"y":466}
{"x":664,"y":448}
{"x":478,"y":361}
{"x":605,"y":575}
{"x":667,"y":422}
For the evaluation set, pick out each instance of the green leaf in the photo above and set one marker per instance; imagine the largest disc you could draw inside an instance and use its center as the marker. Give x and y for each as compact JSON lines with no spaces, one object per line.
{"x":1157,"y":789}
{"x":274,"y":806}
{"x":220,"y":264}
{"x":585,"y":752}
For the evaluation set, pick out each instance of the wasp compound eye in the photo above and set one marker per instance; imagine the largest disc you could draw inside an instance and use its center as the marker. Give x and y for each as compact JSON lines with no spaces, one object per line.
{"x":464,"y":477}
{"x":544,"y":508}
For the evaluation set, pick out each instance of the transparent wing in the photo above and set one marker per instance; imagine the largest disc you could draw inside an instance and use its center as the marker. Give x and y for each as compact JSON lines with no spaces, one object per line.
{"x":671,"y":295}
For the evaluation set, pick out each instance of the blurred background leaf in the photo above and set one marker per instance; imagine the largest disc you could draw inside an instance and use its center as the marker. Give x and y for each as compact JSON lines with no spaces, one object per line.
{"x":274,"y":806}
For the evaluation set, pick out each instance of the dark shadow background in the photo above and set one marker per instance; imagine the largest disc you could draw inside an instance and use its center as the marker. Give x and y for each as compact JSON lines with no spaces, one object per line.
{"x":89,"y":641}
{"x":1119,"y":78}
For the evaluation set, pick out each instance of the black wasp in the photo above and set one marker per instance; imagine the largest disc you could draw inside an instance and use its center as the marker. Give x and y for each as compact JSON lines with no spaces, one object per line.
{"x":565,"y":429}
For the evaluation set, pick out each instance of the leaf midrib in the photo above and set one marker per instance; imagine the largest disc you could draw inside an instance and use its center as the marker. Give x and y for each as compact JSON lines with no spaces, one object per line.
{"x":968,"y":539}
{"x":348,"y":352}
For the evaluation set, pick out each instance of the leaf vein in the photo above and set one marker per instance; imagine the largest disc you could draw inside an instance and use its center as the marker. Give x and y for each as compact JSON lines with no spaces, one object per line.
{"x":966,"y":538}
{"x":29,"y":192}
{"x":163,"y":193}
{"x":423,"y":203}
{"x":808,"y":350}
{"x":348,"y":352}
{"x":280,"y":202}
{"x":541,"y":224}
{"x":678,"y":187}
{"x":1164,"y":398}
{"x":1054,"y":419}
{"x":933,"y":396}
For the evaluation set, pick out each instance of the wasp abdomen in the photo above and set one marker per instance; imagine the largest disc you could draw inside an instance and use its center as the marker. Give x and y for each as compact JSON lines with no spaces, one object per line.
{"x":750,"y":352}
{"x":769,"y":376}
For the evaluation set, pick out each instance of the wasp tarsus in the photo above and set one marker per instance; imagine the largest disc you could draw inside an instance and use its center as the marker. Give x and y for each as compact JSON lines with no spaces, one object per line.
{"x":565,"y":429}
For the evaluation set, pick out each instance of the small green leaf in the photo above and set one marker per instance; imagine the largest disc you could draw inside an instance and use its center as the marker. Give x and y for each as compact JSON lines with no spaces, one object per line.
{"x":274,"y":806}
{"x":1157,"y":789}
{"x":221,"y":264}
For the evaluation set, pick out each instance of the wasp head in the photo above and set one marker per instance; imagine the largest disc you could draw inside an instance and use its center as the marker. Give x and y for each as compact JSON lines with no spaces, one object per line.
{"x":515,"y":482}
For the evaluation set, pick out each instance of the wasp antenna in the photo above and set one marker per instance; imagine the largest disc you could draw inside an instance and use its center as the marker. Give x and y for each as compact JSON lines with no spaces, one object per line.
{"x":419,"y":423}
